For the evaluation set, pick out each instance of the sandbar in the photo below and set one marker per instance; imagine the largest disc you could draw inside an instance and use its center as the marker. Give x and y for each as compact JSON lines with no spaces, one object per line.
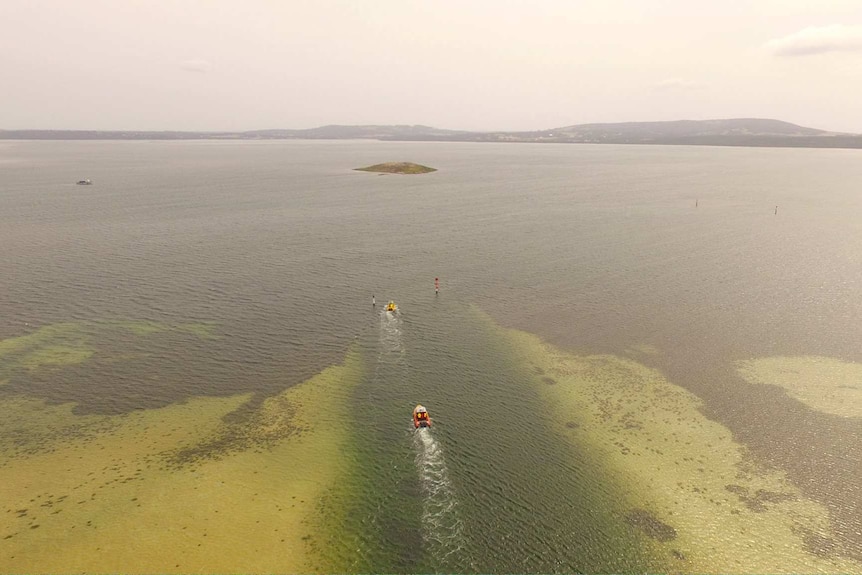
{"x":177,"y":489}
{"x":697,"y":497}
{"x":825,"y":384}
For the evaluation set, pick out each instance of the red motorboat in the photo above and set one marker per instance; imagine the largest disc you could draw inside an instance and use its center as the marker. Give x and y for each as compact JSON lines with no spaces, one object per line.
{"x":420,"y":417}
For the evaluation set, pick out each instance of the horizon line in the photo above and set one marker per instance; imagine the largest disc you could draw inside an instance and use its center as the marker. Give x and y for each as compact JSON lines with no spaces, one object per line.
{"x":368,"y":125}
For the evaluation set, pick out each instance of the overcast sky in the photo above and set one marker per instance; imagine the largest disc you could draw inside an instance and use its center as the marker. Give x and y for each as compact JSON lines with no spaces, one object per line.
{"x":458,"y":64}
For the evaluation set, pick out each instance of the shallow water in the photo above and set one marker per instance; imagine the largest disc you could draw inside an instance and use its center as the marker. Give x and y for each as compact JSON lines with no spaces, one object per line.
{"x":672,"y":256}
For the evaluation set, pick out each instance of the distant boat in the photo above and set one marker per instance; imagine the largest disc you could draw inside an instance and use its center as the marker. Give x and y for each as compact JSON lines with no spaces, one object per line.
{"x":84,"y":182}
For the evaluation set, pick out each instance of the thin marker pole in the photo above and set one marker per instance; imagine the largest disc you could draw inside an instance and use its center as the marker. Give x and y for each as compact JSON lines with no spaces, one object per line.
{"x":436,"y":286}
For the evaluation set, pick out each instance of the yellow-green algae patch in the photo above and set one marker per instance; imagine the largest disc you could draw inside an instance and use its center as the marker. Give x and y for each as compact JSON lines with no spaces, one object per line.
{"x":699,"y":500}
{"x":56,"y":355}
{"x":822,"y":383}
{"x":15,"y":345}
{"x":161,"y":491}
{"x":52,"y":345}
{"x":141,"y":327}
{"x":28,"y":427}
{"x":57,"y":345}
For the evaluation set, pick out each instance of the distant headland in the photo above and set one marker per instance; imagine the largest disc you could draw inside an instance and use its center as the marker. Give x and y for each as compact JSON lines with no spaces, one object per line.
{"x":397,"y":168}
{"x":756,"y":132}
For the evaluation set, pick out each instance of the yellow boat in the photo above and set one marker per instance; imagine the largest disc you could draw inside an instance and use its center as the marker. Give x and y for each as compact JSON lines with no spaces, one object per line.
{"x":391,"y":306}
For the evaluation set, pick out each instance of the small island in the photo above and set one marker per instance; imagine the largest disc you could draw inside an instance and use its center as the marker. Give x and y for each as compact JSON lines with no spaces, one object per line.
{"x":397,"y":168}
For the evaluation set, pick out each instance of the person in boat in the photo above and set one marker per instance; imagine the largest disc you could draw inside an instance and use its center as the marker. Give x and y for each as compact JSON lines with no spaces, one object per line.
{"x":420,"y":417}
{"x":390,"y":306}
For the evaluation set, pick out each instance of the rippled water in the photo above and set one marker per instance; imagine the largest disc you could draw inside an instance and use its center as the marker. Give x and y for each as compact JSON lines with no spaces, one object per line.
{"x":594,"y":248}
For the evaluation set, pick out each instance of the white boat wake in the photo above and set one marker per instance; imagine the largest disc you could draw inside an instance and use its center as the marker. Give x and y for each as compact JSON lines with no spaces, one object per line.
{"x":442,"y":530}
{"x":390,"y":334}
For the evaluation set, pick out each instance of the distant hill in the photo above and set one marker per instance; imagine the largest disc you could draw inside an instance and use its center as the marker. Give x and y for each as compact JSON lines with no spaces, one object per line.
{"x":739,"y":131}
{"x":689,"y":128}
{"x":731,"y":132}
{"x":334,"y":132}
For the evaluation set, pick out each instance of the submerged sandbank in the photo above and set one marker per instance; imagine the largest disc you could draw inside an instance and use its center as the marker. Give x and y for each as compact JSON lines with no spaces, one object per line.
{"x":63,"y":344}
{"x":52,"y":345}
{"x":823,"y":383}
{"x":697,"y":497}
{"x":177,"y":489}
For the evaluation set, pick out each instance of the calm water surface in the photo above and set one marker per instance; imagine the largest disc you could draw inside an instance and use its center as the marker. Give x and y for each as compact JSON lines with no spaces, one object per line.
{"x":593,"y":248}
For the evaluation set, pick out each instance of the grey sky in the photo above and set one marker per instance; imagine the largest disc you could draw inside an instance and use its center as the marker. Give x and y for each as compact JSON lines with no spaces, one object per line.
{"x":460,"y":64}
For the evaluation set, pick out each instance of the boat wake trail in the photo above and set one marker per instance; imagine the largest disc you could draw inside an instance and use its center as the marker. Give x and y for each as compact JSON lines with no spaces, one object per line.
{"x":442,"y":530}
{"x":390,"y":334}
